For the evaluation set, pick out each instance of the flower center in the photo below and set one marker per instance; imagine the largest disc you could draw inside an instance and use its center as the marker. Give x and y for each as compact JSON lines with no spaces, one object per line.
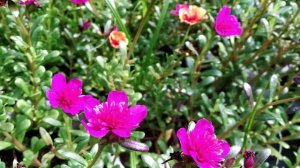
{"x":64,"y":102}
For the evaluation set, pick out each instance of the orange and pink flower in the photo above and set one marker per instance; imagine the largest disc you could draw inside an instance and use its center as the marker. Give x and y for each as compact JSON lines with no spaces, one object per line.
{"x":190,"y":14}
{"x":116,"y":38}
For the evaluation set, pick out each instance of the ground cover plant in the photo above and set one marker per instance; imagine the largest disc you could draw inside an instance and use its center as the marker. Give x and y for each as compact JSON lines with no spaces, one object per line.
{"x":149,"y":83}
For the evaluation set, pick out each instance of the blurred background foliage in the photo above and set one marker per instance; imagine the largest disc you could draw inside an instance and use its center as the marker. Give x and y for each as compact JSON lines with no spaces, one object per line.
{"x":181,"y":73}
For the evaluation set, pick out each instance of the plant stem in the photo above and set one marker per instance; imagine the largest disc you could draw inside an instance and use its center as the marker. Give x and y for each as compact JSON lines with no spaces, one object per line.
{"x":118,"y":19}
{"x":132,"y":159}
{"x":139,"y":31}
{"x":96,"y":157}
{"x":21,"y":147}
{"x":286,"y":138}
{"x":260,"y":110}
{"x":195,"y":75}
{"x":184,"y":38}
{"x":68,"y":123}
{"x":250,"y":122}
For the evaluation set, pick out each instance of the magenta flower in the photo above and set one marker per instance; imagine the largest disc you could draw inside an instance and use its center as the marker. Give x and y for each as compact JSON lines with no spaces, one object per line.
{"x":202,"y":145}
{"x":65,"y":95}
{"x":114,"y":116}
{"x":26,"y":2}
{"x":227,"y":24}
{"x":79,"y":2}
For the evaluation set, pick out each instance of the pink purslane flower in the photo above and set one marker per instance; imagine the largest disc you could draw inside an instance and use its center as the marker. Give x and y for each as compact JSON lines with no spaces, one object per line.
{"x":190,"y":14}
{"x":26,"y":2}
{"x":79,"y":2}
{"x":66,"y":95}
{"x":227,"y":24}
{"x":202,"y":145}
{"x":113,"y":116}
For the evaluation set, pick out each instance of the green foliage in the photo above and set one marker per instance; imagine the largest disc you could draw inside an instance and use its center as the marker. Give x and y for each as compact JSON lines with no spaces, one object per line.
{"x":182,"y":73}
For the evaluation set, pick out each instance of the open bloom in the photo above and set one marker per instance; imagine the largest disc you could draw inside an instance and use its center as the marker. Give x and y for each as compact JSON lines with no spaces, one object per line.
{"x":202,"y":145}
{"x":116,"y":38}
{"x":79,"y":2}
{"x":26,"y":2}
{"x":66,"y":95}
{"x":190,"y":14}
{"x":114,"y":116}
{"x":227,"y":24}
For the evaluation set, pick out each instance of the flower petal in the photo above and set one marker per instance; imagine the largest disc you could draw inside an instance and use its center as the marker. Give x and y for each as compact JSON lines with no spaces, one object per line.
{"x":118,"y":97}
{"x":74,"y":86}
{"x":58,"y":82}
{"x":183,"y":139}
{"x":89,"y":102}
{"x":95,"y":133}
{"x":76,"y":107}
{"x":225,"y":148}
{"x":125,"y":133}
{"x":205,"y":125}
{"x":138,"y":113}
{"x":52,"y":98}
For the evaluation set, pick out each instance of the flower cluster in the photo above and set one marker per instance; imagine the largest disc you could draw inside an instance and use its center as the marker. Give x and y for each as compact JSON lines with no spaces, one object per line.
{"x":225,"y":24}
{"x":115,"y":117}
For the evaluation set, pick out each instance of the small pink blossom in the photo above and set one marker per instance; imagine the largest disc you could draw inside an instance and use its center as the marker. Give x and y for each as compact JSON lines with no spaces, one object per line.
{"x":66,"y":95}
{"x":178,"y":8}
{"x":114,"y":116}
{"x":79,"y":2}
{"x":26,"y":2}
{"x":202,"y":145}
{"x":227,"y":24}
{"x":190,"y":14}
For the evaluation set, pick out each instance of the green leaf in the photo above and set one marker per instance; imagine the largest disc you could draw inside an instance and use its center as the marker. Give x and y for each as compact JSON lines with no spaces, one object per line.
{"x":213,"y":72}
{"x":149,"y":161}
{"x":73,"y":156}
{"x":138,"y":135}
{"x":28,"y":157}
{"x":52,"y":121}
{"x":20,"y":42}
{"x":4,"y":145}
{"x":273,"y":86}
{"x":22,"y":85}
{"x":261,"y":157}
{"x":2,"y":164}
{"x":45,"y":136}
{"x":6,"y":127}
